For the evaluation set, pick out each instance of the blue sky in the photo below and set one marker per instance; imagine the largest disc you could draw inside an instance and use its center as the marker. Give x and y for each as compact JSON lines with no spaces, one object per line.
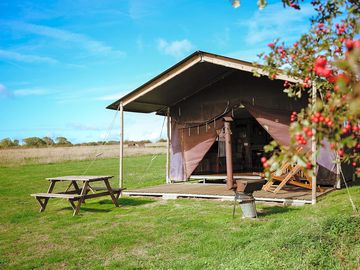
{"x":63,"y":62}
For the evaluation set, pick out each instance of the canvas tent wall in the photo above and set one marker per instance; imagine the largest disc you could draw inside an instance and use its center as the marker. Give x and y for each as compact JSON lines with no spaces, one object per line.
{"x":192,"y":119}
{"x":198,"y":91}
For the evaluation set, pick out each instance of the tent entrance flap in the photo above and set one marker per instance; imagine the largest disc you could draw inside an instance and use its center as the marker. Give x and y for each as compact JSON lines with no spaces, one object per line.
{"x":248,"y":141}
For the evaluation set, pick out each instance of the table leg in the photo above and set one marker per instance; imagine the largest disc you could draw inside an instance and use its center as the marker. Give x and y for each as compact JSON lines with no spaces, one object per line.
{"x":83,"y":193}
{"x":111,"y":192}
{"x":72,"y":204}
{"x":76,"y":187}
{"x":43,"y":204}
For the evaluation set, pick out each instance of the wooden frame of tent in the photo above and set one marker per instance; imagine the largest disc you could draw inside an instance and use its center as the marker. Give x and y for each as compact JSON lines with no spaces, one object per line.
{"x":137,"y":100}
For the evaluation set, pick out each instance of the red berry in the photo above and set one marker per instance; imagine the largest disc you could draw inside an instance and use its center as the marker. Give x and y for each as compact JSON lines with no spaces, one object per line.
{"x":355,"y":128}
{"x":349,"y":44}
{"x":309,"y":133}
{"x":309,"y":165}
{"x":321,"y":61}
{"x":263,"y":159}
{"x":357,"y":43}
{"x":340,"y":152}
{"x":327,"y":72}
{"x":271,"y":45}
{"x":354,"y":164}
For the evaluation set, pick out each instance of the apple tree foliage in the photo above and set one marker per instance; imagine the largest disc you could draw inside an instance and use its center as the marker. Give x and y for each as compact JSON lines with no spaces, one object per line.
{"x":324,"y":61}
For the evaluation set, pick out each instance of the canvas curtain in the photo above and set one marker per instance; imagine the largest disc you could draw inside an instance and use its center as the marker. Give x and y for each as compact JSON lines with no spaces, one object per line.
{"x":189,"y":144}
{"x":277,"y":124}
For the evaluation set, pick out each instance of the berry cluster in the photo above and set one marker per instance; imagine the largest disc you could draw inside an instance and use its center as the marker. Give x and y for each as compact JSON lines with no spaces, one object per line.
{"x":264,"y":162}
{"x":300,"y":139}
{"x":293,"y":117}
{"x":347,"y":128}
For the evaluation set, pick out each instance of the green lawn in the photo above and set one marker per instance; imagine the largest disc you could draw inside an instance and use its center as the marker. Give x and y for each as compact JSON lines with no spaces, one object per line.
{"x":149,"y":233}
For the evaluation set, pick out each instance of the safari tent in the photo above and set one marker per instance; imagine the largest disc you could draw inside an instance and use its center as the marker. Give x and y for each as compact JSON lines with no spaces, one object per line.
{"x":196,"y":94}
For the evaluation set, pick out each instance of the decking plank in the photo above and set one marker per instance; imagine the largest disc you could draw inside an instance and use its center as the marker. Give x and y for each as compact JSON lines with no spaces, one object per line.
{"x":220,"y":190}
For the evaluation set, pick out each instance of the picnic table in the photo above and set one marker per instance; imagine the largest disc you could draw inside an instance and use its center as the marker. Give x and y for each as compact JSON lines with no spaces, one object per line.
{"x":74,"y":193}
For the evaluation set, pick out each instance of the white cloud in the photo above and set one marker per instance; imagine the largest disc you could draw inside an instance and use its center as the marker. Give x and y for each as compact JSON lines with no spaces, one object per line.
{"x":175,"y":48}
{"x":89,"y":44}
{"x":143,"y":126}
{"x":2,"y":88}
{"x":29,"y":92}
{"x":28,"y":58}
{"x":4,"y":92}
{"x":82,"y":126}
{"x":275,"y":21}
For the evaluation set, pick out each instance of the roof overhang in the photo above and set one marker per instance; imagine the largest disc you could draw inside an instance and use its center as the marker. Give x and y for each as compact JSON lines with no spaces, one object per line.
{"x":184,"y":79}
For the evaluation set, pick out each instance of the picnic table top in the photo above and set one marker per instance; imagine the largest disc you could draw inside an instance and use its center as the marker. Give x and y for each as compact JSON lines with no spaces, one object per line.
{"x":88,"y":178}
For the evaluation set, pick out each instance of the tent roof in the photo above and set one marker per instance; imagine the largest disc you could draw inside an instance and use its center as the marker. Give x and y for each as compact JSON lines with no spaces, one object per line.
{"x":186,"y":78}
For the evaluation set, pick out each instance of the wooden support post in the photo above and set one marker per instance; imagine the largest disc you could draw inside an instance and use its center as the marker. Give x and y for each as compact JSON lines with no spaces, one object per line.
{"x":313,"y":150}
{"x":121,"y":154}
{"x":338,"y":172}
{"x":228,"y":150}
{"x":168,"y":127}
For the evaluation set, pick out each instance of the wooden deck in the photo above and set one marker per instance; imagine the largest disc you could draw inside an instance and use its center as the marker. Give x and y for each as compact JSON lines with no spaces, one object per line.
{"x":289,"y":195}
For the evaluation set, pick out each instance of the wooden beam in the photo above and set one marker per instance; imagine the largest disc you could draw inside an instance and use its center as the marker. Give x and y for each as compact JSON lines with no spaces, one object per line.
{"x":240,"y":65}
{"x":121,"y":154}
{"x":166,"y":77}
{"x":168,"y":127}
{"x":313,"y":150}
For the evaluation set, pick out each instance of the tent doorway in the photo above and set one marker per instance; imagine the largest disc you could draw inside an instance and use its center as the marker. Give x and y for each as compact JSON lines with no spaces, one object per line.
{"x":248,"y":140}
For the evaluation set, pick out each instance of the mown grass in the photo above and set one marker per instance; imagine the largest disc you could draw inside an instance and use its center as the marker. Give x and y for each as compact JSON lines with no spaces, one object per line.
{"x":147,"y":233}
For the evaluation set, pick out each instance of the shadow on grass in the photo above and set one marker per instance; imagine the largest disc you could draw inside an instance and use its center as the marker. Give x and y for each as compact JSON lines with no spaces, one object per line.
{"x":85,"y":209}
{"x":273,"y":210}
{"x":122,"y":202}
{"x":128,"y":201}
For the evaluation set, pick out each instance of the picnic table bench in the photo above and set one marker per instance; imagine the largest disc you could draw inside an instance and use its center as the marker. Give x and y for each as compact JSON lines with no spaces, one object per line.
{"x":74,"y":193}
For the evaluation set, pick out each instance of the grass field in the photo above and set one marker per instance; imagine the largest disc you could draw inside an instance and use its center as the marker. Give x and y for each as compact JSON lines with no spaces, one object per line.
{"x":149,"y":233}
{"x":22,"y":156}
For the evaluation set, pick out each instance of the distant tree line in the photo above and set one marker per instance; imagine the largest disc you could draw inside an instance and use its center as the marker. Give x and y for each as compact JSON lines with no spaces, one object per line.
{"x":35,"y":142}
{"x":59,"y":141}
{"x":136,"y":142}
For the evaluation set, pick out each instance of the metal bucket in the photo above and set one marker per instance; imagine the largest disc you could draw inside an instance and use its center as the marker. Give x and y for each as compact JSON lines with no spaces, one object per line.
{"x":248,"y":209}
{"x":247,"y":204}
